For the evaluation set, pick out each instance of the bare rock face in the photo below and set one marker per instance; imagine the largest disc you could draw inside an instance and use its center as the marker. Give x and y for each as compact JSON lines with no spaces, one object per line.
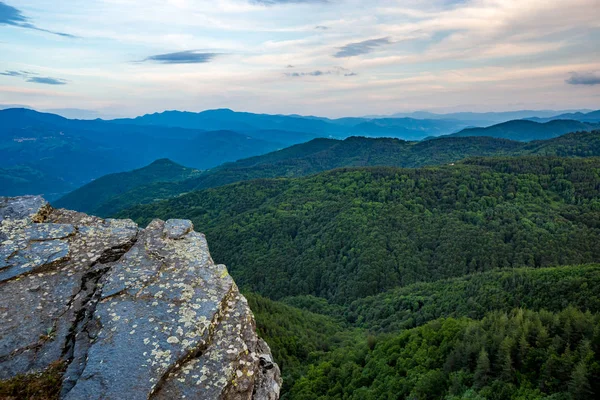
{"x":135,"y":314}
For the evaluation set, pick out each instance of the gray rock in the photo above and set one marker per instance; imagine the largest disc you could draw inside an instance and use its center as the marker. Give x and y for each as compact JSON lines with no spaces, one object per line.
{"x":178,"y":228}
{"x":32,"y":208}
{"x":136,"y":314}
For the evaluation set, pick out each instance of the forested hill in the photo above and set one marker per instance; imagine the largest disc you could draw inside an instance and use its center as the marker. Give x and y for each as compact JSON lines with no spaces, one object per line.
{"x":102,"y":189}
{"x":351,"y":233}
{"x":526,"y":131}
{"x":323,"y":154}
{"x":506,"y":353}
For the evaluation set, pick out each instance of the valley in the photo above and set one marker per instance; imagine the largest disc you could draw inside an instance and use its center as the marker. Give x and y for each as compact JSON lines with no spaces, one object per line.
{"x":460,"y":266}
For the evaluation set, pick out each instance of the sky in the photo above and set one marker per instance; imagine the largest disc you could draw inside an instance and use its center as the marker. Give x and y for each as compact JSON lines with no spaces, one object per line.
{"x":312,"y":57}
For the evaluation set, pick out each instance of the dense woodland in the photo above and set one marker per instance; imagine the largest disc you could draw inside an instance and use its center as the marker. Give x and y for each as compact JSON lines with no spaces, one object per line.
{"x":464,"y":281}
{"x":517,"y":355}
{"x":446,"y":350}
{"x":351,"y":233}
{"x":313,"y":157}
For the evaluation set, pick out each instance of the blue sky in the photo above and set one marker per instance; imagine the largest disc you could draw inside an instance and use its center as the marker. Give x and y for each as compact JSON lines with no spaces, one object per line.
{"x":321,"y":57}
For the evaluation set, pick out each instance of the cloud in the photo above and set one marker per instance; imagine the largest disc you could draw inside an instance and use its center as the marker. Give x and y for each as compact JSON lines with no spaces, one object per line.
{"x":584,"y":78}
{"x":337,"y":71}
{"x":275,"y":2}
{"x":46,"y":80}
{"x":33,"y":78}
{"x":312,"y":73}
{"x":12,"y":73}
{"x":183,"y":57}
{"x":14,"y":17}
{"x":10,"y":15}
{"x":356,"y":49}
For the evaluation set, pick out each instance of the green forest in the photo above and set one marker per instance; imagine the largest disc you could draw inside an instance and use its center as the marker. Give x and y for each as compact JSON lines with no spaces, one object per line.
{"x":467,"y":281}
{"x":449,"y":351}
{"x":352,"y":233}
{"x":113,"y":193}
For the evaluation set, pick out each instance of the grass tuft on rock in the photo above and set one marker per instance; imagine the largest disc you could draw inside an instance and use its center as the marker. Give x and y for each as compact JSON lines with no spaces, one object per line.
{"x":45,"y":385}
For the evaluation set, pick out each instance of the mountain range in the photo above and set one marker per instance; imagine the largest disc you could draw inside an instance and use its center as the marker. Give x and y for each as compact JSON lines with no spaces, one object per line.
{"x":525,"y":130}
{"x":312,"y":157}
{"x":593,"y":116}
{"x":37,"y":148}
{"x":475,"y":118}
{"x":47,"y":154}
{"x":490,"y":118}
{"x":459,"y":267}
{"x":306,"y":127}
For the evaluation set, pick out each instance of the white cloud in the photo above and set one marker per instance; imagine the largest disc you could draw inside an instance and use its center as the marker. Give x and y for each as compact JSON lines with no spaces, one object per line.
{"x":438,"y":54}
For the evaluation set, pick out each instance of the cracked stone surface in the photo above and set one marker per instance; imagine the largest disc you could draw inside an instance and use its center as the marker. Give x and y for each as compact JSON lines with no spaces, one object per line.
{"x":136,"y":314}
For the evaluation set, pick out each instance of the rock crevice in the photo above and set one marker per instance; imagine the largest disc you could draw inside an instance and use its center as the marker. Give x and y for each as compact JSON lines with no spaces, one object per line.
{"x":134,"y":313}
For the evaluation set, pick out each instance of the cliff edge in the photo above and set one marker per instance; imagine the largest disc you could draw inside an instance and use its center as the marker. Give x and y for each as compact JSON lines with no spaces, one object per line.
{"x":130,"y":313}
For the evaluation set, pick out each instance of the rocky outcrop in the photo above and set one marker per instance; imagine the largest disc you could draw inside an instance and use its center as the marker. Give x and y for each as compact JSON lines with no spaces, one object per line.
{"x":134,"y":314}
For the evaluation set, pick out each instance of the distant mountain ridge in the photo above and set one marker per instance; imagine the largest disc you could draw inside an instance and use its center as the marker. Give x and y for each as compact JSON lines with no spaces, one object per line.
{"x":527,"y":131}
{"x":39,"y":148}
{"x":403,"y":128}
{"x":490,"y":117}
{"x":320,"y":155}
{"x":73,"y":152}
{"x":593,"y":116}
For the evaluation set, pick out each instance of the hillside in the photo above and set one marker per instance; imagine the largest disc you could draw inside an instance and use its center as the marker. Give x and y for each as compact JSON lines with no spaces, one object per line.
{"x":19,"y":179}
{"x":322,"y":356}
{"x":324,"y":154}
{"x":108,"y":186}
{"x":352,"y":233}
{"x":527,"y":131}
{"x":520,"y":354}
{"x":551,"y":289}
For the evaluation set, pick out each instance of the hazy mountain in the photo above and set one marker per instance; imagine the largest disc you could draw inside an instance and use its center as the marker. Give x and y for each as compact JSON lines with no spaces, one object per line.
{"x":408,"y":128}
{"x":76,"y":151}
{"x":102,"y":189}
{"x":19,"y":179}
{"x":72,"y":113}
{"x":76,"y":113}
{"x":525,"y":130}
{"x":297,"y":129}
{"x":593,"y":116}
{"x":225,"y":119}
{"x":484,"y":118}
{"x":324,"y":154}
{"x":286,"y":138}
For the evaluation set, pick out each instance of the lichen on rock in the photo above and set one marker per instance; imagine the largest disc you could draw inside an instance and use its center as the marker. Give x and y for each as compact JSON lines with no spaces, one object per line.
{"x":133,"y":313}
